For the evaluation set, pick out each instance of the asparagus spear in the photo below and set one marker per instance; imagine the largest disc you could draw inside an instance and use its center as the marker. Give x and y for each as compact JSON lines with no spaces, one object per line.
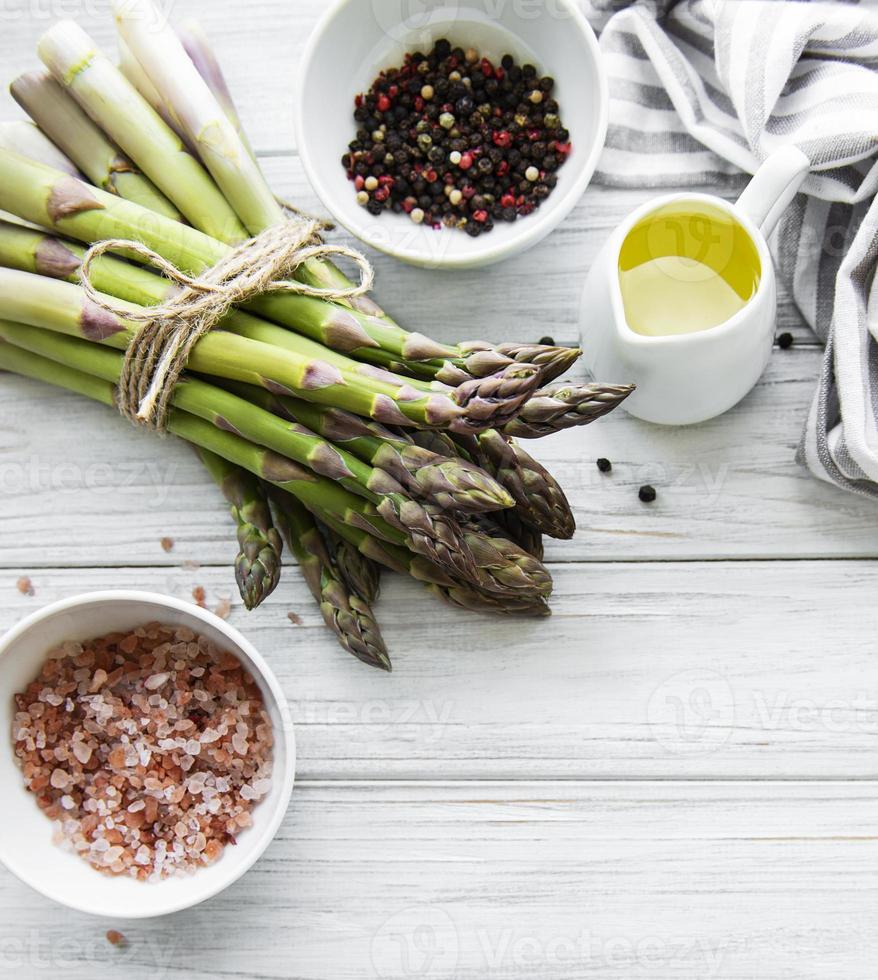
{"x":258,"y":565}
{"x":197,"y":46}
{"x":346,"y":611}
{"x":70,"y":129}
{"x":539,"y":499}
{"x":499,"y":560}
{"x":450,"y":482}
{"x":509,"y":524}
{"x":362,"y":575}
{"x":26,"y":138}
{"x":131,"y":68}
{"x":505,"y":571}
{"x":62,"y":307}
{"x":478,"y":358}
{"x":563,"y":406}
{"x":464,"y":595}
{"x":479,"y":601}
{"x":132,"y":124}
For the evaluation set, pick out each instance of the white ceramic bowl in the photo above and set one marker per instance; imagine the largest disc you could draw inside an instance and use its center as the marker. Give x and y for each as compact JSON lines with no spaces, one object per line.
{"x":357,"y":38}
{"x":26,"y":846}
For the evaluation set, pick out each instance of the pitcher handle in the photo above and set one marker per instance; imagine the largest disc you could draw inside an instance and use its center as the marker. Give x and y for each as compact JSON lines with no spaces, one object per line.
{"x":773,"y":186}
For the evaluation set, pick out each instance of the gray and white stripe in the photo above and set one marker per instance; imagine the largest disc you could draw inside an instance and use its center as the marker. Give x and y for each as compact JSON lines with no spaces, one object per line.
{"x":701,"y":92}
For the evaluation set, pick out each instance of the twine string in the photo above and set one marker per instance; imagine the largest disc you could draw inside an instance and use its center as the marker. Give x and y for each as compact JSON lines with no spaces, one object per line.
{"x":158,"y":353}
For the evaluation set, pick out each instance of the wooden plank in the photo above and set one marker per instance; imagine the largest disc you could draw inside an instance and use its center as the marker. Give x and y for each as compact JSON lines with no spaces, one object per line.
{"x":696,"y":670}
{"x":727,"y":488}
{"x":670,"y":881}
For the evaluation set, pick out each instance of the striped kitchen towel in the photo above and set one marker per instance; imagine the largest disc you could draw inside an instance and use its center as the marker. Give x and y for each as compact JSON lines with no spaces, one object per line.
{"x":703,"y":90}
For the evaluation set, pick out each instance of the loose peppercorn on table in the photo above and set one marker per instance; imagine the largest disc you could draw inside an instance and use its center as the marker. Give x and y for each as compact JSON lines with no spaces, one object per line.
{"x":671,"y":777}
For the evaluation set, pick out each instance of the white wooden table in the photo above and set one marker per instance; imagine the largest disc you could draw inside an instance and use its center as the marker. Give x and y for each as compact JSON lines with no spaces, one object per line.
{"x":673,"y":777}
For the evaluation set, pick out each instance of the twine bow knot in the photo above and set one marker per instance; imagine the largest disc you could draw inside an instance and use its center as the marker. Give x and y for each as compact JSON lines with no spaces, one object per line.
{"x":157,"y":355}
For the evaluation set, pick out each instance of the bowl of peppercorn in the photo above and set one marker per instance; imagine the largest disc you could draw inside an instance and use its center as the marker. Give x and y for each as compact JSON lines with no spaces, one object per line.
{"x":457,"y":133}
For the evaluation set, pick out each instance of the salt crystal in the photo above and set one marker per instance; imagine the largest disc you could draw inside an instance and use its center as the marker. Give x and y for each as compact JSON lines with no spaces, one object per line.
{"x":98,"y":681}
{"x":59,"y":779}
{"x":154,"y":682}
{"x":67,"y":802}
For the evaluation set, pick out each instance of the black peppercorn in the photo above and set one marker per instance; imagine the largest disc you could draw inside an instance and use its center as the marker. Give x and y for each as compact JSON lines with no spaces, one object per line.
{"x":785,"y":340}
{"x":647,"y":493}
{"x":604,"y":465}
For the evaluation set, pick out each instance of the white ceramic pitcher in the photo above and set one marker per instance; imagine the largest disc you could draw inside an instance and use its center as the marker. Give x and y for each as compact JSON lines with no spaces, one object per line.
{"x":684,"y":378}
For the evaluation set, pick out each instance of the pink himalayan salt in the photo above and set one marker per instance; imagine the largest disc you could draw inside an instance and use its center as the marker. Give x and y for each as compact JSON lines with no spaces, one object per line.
{"x":131,"y":743}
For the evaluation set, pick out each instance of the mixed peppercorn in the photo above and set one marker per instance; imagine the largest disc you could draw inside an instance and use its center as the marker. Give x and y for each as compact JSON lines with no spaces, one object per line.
{"x":452,"y":139}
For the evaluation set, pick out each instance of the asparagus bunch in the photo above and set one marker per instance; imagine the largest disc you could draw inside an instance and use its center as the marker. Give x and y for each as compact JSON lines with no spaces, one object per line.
{"x":321,"y":419}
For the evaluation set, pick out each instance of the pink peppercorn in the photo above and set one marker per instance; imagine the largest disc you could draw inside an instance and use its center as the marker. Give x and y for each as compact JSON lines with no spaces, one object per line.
{"x":466,"y":161}
{"x":481,"y":216}
{"x":502,"y":137}
{"x":383,"y":103}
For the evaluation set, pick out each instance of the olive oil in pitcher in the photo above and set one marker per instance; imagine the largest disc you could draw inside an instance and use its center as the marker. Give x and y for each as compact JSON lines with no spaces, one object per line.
{"x":686,"y":267}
